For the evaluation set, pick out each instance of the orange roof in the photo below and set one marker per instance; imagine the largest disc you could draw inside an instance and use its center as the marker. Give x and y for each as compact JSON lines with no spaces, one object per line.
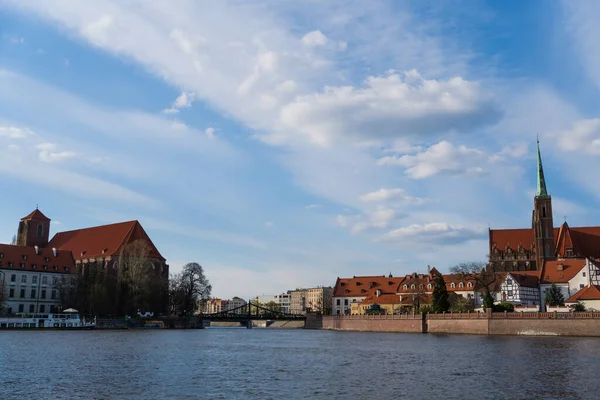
{"x":25,"y":258}
{"x":561,"y":271}
{"x":102,"y":241}
{"x":382,"y":299}
{"x":360,"y":286}
{"x":513,"y":238}
{"x":587,"y":293}
{"x":35,"y":214}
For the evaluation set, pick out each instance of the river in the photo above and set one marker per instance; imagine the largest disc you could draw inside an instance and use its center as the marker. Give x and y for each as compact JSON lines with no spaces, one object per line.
{"x":237,"y":363}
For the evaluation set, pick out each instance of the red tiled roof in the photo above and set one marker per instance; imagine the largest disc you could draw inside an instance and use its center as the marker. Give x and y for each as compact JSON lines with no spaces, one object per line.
{"x":102,"y":241}
{"x":359,"y":286}
{"x":551,"y":273}
{"x":13,"y":258}
{"x":585,"y":241}
{"x":389,"y":298}
{"x":587,"y":293}
{"x":36,"y":214}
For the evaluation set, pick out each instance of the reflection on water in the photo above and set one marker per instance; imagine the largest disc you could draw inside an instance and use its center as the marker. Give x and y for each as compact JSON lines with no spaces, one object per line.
{"x":272,"y":364}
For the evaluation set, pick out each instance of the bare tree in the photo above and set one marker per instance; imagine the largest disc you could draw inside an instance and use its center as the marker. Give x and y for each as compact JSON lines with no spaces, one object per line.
{"x":14,"y":240}
{"x":136,"y":267}
{"x":482,"y":274}
{"x":189,"y":290}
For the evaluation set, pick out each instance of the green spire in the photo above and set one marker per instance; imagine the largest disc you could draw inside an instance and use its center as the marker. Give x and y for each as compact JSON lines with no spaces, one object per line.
{"x":541,"y":182}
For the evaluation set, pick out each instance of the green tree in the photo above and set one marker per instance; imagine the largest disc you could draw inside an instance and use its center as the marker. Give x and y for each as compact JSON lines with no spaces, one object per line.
{"x":578,"y":306}
{"x":488,"y":300}
{"x":462,"y":304}
{"x":440,"y":301}
{"x":554,"y":296}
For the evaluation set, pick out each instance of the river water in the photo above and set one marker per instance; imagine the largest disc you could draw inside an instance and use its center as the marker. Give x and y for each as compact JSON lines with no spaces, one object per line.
{"x":237,"y":363}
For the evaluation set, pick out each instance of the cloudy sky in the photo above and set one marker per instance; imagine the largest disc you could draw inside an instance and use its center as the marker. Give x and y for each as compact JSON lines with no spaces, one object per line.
{"x":285,"y":143}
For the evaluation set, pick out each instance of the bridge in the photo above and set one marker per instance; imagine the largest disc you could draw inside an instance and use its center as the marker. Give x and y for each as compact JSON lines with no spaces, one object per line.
{"x":250,"y":312}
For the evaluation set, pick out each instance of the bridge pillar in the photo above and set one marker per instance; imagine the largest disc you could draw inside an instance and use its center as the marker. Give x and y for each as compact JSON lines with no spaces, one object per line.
{"x":249,"y":324}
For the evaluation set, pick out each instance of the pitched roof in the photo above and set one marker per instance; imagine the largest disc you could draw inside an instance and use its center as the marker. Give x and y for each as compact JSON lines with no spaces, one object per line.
{"x":526,"y":278}
{"x":360,"y":286}
{"x":587,"y":293}
{"x":25,"y":258}
{"x":561,"y":271}
{"x":513,"y":238}
{"x":389,"y":298}
{"x":102,"y":241}
{"x":35,"y":214}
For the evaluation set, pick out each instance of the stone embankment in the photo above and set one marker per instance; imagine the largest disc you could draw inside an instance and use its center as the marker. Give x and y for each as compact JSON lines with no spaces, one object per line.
{"x":489,"y":323}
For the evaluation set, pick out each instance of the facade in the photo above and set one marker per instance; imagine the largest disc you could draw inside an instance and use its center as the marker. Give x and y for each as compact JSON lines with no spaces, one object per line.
{"x":212,"y":306}
{"x":348,"y":291}
{"x":520,"y":288}
{"x":570,"y":275}
{"x":531,"y":248}
{"x":30,"y":278}
{"x":589,"y":296}
{"x":311,"y":300}
{"x":283,"y":300}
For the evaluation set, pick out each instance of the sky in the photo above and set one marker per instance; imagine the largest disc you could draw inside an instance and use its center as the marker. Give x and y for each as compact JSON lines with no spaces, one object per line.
{"x":283,"y":144}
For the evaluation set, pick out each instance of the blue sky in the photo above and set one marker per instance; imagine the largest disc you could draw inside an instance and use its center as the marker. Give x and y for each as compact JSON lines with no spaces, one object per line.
{"x":284,"y":144}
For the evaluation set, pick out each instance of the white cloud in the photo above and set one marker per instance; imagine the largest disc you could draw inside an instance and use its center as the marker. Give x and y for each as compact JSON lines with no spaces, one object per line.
{"x":442,"y":157}
{"x":314,"y":38}
{"x":48,"y":154}
{"x":210,"y":132}
{"x":392,"y":106}
{"x":583,"y":136}
{"x":184,"y":100}
{"x":435,"y":233}
{"x":392,"y":194}
{"x":269,"y":224}
{"x":13,"y":132}
{"x":313,"y":206}
{"x":13,"y":147}
{"x":516,"y":150}
{"x":381,"y":217}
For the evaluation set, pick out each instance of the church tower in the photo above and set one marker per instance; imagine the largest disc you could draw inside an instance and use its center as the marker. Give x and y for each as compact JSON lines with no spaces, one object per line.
{"x":34,"y":230}
{"x":542,"y":224}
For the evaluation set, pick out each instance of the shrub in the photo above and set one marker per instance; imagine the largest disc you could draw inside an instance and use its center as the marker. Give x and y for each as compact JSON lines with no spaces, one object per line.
{"x":426,"y":309}
{"x":504,"y":307}
{"x":578,"y":307}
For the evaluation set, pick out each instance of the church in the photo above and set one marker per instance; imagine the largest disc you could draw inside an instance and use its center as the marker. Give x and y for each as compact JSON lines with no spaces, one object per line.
{"x":542,"y":245}
{"x":32,"y":267}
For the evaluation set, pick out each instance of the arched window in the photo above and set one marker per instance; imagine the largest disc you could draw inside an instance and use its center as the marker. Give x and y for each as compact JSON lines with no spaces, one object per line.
{"x":469,"y":284}
{"x":405,"y":287}
{"x":452,"y":285}
{"x":40,"y":230}
{"x":429,"y":286}
{"x":547,"y":252}
{"x":421,"y":286}
{"x":412,"y":286}
{"x":461,"y":285}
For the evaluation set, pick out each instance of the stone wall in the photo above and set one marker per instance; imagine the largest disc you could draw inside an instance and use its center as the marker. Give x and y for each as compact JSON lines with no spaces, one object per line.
{"x":464,"y":326}
{"x":374,"y":323}
{"x":545,"y":327}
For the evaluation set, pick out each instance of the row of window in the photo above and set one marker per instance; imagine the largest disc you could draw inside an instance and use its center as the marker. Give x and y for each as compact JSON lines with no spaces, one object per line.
{"x":34,"y":279}
{"x":42,"y":308}
{"x":430,"y":286}
{"x":33,"y":294}
{"x":34,"y":266}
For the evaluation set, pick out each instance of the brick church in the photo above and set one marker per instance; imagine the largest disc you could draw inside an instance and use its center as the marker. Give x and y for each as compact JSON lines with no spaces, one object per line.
{"x":31,"y":266}
{"x":531,"y":249}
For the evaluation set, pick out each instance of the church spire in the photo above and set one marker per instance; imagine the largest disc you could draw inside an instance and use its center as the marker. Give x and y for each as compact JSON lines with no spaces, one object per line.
{"x":541,"y":182}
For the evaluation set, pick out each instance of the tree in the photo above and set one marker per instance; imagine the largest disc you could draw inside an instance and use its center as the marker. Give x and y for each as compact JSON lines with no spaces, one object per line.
{"x":578,"y":306}
{"x":188,"y":290}
{"x":462,"y":304}
{"x":554,"y":296}
{"x":439,"y":301}
{"x":273,"y":306}
{"x":484,"y":277}
{"x":68,"y":293}
{"x":14,"y":240}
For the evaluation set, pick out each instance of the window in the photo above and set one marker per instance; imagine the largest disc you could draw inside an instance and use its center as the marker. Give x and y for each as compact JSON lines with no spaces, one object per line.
{"x":509,"y":282}
{"x":22,"y":265}
{"x":32,"y":308}
{"x":584,"y":274}
{"x":22,"y":293}
{"x":452,"y":285}
{"x":13,"y":278}
{"x":44,"y":280}
{"x":34,"y":279}
{"x":10,"y":264}
{"x":54,"y":280}
{"x":42,"y":308}
{"x":461,"y":285}
{"x":11,"y":293}
{"x":40,"y":230}
{"x":345,"y":302}
{"x":33,"y":293}
{"x":510,"y":293}
{"x":569,"y":252}
{"x":25,"y":258}
{"x":47,"y":259}
{"x":53,"y":296}
{"x":1,"y":255}
{"x":337,"y":301}
{"x":469,"y":284}
{"x":21,"y":306}
{"x":43,"y":294}
{"x":581,"y":285}
{"x":405,"y":287}
{"x":412,"y":286}
{"x":23,"y":278}
{"x":429,"y":286}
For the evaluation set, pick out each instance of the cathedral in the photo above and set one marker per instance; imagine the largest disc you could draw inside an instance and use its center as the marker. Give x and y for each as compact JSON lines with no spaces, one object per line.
{"x":530,"y":249}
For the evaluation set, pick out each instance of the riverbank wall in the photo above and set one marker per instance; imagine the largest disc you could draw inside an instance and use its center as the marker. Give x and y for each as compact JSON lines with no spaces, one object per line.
{"x":488,"y":323}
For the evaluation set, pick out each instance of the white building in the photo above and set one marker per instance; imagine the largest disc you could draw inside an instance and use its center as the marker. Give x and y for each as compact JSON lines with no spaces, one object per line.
{"x":520,"y":288}
{"x":33,"y":277}
{"x":570,"y":275}
{"x":283,"y":300}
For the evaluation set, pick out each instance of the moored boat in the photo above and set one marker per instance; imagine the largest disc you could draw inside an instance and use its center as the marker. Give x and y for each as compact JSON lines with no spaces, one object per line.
{"x":46,"y":321}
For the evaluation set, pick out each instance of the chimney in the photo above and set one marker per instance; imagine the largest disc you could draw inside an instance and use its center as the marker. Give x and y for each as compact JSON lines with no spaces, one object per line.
{"x":559,"y":267}
{"x":54,"y":251}
{"x":37,"y":249}
{"x":428,"y":269}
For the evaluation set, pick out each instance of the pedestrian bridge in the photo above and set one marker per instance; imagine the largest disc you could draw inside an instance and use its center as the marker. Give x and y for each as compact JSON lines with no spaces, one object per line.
{"x":251,"y":312}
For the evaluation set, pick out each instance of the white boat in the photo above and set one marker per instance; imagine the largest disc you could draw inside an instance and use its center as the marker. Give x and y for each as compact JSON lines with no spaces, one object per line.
{"x":46,"y":321}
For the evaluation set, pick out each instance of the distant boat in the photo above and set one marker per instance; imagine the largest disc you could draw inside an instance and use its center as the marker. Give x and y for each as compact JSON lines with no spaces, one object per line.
{"x":68,"y":320}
